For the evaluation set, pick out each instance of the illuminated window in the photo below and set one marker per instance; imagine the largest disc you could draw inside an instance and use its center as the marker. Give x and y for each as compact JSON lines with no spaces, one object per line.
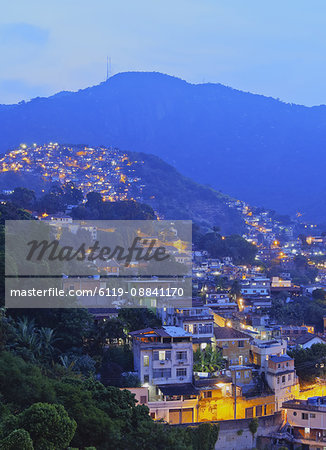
{"x":146,"y":361}
{"x":207,"y":394}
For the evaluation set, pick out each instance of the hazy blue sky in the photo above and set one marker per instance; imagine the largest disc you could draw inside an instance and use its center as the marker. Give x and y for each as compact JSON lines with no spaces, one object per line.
{"x":277,"y":48}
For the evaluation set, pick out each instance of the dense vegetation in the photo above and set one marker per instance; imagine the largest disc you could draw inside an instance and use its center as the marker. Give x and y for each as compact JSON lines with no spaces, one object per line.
{"x":218,"y":246}
{"x":54,"y":412}
{"x":178,"y":197}
{"x":310,"y":363}
{"x":300,"y":310}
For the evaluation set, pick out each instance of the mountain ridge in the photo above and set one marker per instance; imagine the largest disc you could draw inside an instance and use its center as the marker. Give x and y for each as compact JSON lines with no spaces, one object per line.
{"x":253,"y":147}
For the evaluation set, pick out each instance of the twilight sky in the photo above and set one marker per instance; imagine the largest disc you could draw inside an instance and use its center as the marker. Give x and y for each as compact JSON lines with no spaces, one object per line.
{"x":275,"y":48}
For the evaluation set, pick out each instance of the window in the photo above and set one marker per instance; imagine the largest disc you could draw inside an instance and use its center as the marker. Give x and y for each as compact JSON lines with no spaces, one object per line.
{"x":283,"y":379}
{"x":238,"y":374}
{"x":205,"y":329}
{"x":312,"y":416}
{"x":181,"y":355}
{"x":162,"y":373}
{"x":181,"y":372}
{"x":304,"y":416}
{"x":247,"y":374}
{"x":153,"y":415}
{"x":295,"y":413}
{"x":240,"y":343}
{"x":278,"y":380}
{"x":278,"y":365}
{"x":146,"y":360}
{"x":265,"y":410}
{"x":143,"y":399}
{"x":225,"y":344}
{"x":289,"y":376}
{"x":207,"y":394}
{"x":162,"y":355}
{"x":259,"y":411}
{"x":146,"y":378}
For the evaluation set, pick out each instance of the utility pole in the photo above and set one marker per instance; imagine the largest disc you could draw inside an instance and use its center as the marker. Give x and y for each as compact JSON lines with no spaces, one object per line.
{"x":235,"y":394}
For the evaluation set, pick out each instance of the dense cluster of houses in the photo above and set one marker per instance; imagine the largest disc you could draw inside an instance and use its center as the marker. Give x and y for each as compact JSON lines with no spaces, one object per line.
{"x":107,"y":171}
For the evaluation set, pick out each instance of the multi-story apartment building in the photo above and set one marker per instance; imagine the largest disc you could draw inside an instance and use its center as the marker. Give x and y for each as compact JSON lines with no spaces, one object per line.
{"x":262,"y":350}
{"x":282,"y":379}
{"x":234,"y":344}
{"x":163,"y":355}
{"x":163,"y":360}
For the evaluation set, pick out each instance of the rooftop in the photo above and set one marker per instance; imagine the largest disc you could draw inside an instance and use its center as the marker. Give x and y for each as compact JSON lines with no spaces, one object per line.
{"x":279,"y":359}
{"x":304,"y":338}
{"x":166,"y":331}
{"x":178,"y":389}
{"x":229,"y":333}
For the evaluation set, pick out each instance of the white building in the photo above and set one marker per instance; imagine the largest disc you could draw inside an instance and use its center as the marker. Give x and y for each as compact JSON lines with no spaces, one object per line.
{"x":256,"y":287}
{"x":163,"y":355}
{"x":282,"y":379}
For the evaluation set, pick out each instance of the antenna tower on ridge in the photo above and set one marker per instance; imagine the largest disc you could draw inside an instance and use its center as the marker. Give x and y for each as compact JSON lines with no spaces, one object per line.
{"x":108,"y":68}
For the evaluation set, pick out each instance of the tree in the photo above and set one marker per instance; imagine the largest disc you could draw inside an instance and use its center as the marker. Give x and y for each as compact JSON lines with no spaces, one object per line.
{"x":235,"y":290}
{"x":204,"y":436}
{"x":26,"y":342}
{"x":17,"y":439}
{"x":208,"y":360}
{"x":138,"y":318}
{"x":71,"y":194}
{"x":253,"y":427}
{"x":23,"y":197}
{"x":49,"y":426}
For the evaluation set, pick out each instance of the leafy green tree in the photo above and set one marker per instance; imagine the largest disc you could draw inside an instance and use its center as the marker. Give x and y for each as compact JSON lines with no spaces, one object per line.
{"x":22,"y":384}
{"x":8,"y":211}
{"x":234,"y":246}
{"x":208,"y":360}
{"x":235,"y":290}
{"x":23,"y":198}
{"x":26,"y":341}
{"x":49,"y":426}
{"x":204,"y":436}
{"x":94,"y":200}
{"x":17,"y":440}
{"x":138,"y":318}
{"x":253,"y":427}
{"x":310,"y":363}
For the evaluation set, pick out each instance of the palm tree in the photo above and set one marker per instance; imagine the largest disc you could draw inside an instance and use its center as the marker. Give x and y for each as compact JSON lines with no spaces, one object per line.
{"x":26,"y":342}
{"x":32,"y":343}
{"x":68,"y":362}
{"x":47,"y":342}
{"x":208,"y":360}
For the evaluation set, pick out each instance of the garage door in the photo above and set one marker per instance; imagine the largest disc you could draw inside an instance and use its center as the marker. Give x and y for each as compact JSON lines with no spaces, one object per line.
{"x":187,"y":415}
{"x":174,"y":415}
